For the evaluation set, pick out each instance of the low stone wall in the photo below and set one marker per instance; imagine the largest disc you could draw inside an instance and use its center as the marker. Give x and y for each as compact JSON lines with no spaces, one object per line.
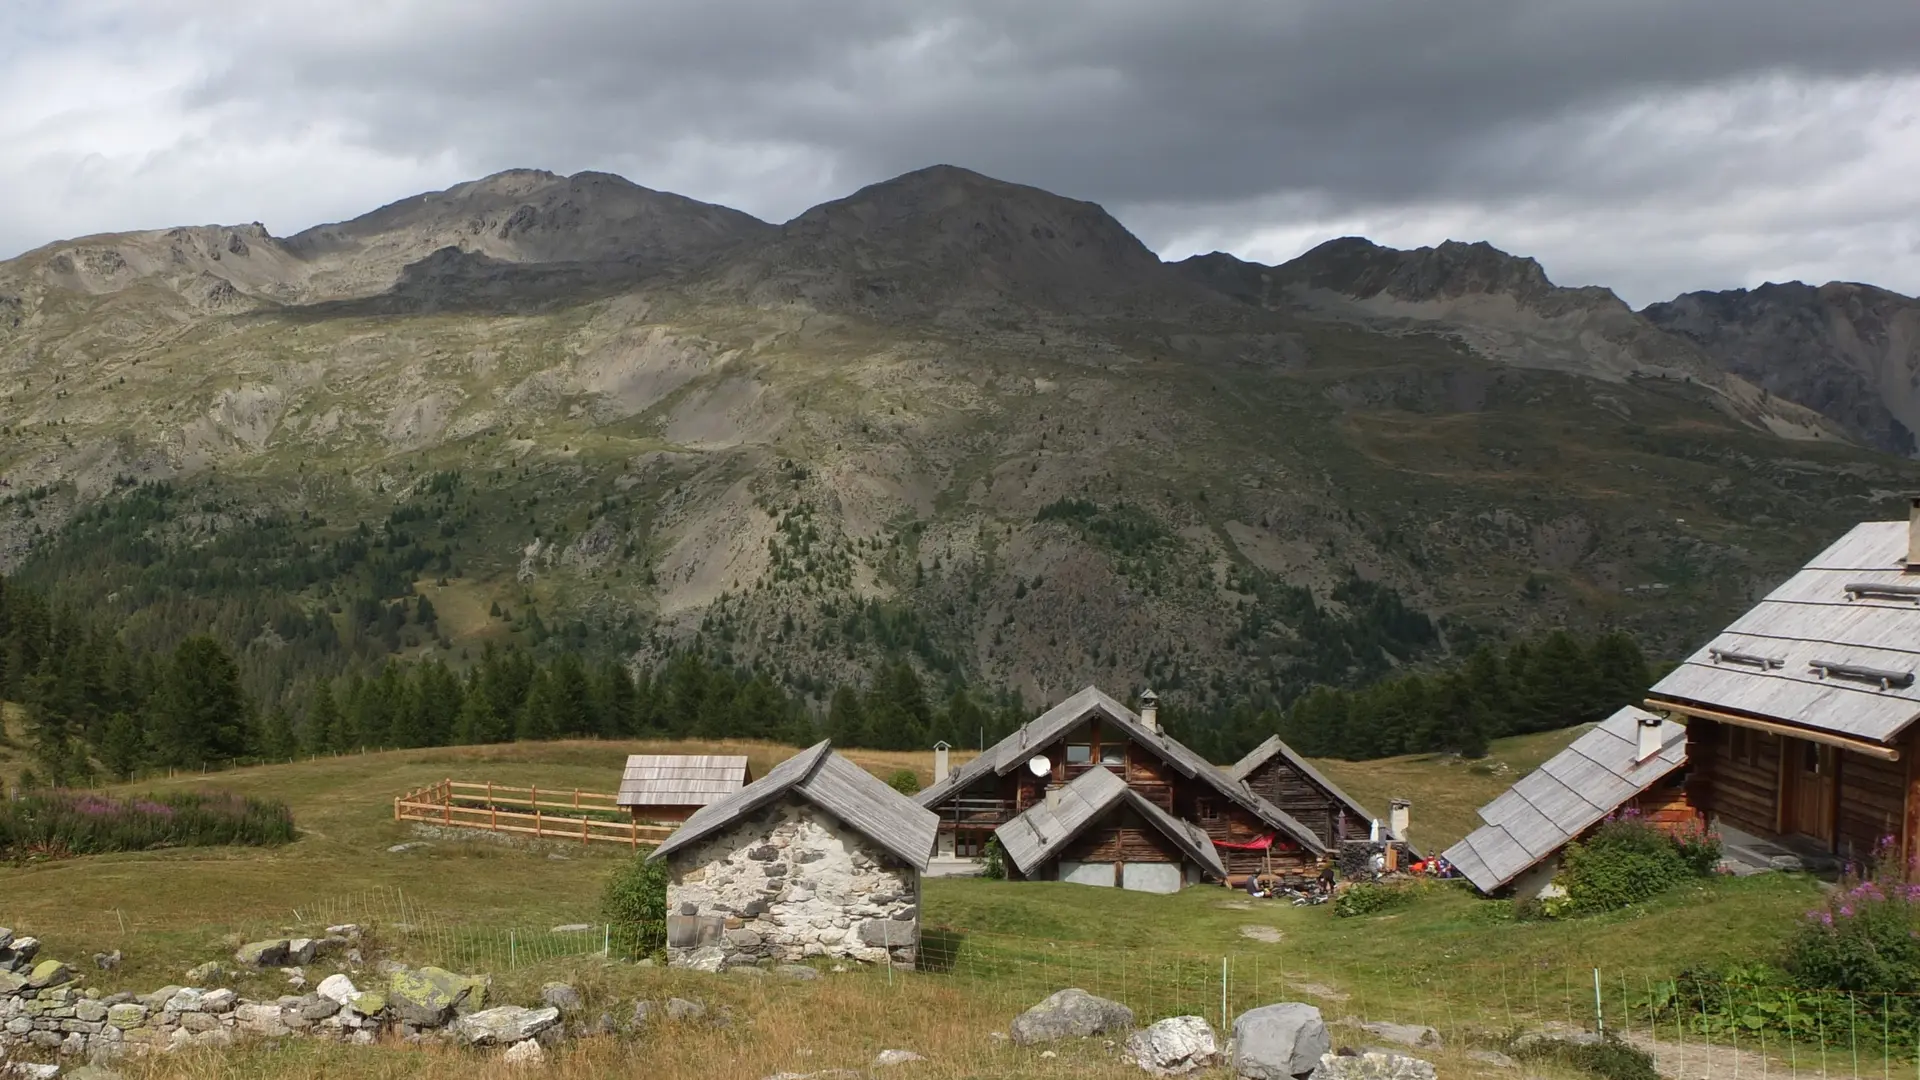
{"x":787,"y":884}
{"x":44,"y":1013}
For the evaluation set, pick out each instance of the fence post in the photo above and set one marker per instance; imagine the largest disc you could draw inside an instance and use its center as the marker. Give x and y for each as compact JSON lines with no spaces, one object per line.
{"x":1223,"y":993}
{"x":1599,"y":1014}
{"x":513,"y":951}
{"x":536,"y":823}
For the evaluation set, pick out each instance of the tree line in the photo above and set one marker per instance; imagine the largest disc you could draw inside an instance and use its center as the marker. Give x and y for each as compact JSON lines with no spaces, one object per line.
{"x":97,"y":707}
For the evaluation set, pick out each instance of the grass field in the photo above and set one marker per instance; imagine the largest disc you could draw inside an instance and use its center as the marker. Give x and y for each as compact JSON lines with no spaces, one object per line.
{"x":1449,"y":960}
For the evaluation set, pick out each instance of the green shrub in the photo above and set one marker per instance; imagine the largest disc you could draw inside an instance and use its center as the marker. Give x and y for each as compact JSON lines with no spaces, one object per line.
{"x":904,"y":781}
{"x":1864,"y":939}
{"x":60,"y":823}
{"x":1609,"y":1058}
{"x":993,"y":863}
{"x":1624,"y":862}
{"x":635,"y":907}
{"x":1369,"y":897}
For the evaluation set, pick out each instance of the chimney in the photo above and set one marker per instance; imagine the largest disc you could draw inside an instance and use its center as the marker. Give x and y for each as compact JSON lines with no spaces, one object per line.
{"x":1053,"y":798}
{"x":941,"y":764}
{"x":1150,"y":701}
{"x":1913,"y":536}
{"x":1399,"y":816}
{"x":1649,"y":739}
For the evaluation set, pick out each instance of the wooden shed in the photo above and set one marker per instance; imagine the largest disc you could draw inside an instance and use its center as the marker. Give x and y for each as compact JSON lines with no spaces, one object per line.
{"x":670,"y":787}
{"x":1631,"y":761}
{"x":1098,"y":831}
{"x":1800,"y":714}
{"x":1275,"y":773}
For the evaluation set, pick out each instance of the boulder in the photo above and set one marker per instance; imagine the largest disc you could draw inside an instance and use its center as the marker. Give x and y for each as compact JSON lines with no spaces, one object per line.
{"x":127,"y":1015}
{"x":219,"y":1001}
{"x":27,"y":1070}
{"x":300,"y":952}
{"x":1403,"y":1034}
{"x":525,"y":1055}
{"x":1373,"y":1065}
{"x":1175,"y":1046}
{"x":684,"y":1011}
{"x":426,"y":997}
{"x":367,"y":1004}
{"x":210,"y":972}
{"x":505,"y":1025}
{"x":338,"y":988}
{"x":1535,"y":1040}
{"x":1276,"y":1042}
{"x":107,"y":961}
{"x":262,"y":954}
{"x":797,"y":971}
{"x":6,"y":938}
{"x":710,"y":959}
{"x":888,"y":1058}
{"x":1070,"y":1014}
{"x":1494,"y":1058}
{"x":560,"y":996}
{"x":11,"y":984}
{"x":48,"y":973}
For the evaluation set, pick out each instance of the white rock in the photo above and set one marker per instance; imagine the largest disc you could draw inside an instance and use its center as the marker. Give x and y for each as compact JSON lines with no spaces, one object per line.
{"x":1174,"y":1046}
{"x":887,"y":1058}
{"x":525,"y":1055}
{"x":337,"y":988}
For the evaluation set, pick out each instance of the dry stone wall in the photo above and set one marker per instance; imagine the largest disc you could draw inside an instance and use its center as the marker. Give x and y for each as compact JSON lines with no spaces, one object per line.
{"x":786,"y":884}
{"x":46,"y":1014}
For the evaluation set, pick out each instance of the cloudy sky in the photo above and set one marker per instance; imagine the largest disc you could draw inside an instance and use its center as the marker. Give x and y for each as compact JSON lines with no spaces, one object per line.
{"x":1653,"y":146}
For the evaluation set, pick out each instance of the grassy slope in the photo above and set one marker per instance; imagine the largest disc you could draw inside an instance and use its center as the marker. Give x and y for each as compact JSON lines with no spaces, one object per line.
{"x":1448,"y":960}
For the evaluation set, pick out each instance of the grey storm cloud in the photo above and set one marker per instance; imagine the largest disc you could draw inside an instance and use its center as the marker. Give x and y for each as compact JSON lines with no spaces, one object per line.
{"x":1257,"y":126}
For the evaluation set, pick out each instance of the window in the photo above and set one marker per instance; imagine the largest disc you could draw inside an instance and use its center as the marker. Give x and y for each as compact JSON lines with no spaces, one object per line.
{"x":1204,"y":809}
{"x":969,"y":845}
{"x":1079,"y":754}
{"x":1113,"y":753}
{"x":1743,"y":745}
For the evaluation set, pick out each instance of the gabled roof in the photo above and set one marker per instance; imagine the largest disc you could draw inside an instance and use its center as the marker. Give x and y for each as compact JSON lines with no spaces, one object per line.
{"x":1273,"y":747}
{"x":834,"y":784}
{"x":1764,"y":664}
{"x":1013,"y":751}
{"x":1041,"y":831}
{"x":681,"y":779}
{"x":1565,"y":797}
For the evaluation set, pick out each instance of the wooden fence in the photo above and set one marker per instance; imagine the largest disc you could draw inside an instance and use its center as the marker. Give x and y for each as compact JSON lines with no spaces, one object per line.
{"x":585,"y":816}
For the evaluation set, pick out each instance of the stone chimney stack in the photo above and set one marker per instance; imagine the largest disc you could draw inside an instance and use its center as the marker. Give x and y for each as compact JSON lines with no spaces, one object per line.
{"x":1150,"y":703}
{"x":942,"y":764}
{"x":1913,"y":536}
{"x":1399,"y":817}
{"x":1648,"y":743}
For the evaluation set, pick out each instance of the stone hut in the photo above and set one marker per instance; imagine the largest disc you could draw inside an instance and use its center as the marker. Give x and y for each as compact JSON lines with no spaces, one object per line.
{"x":817,"y":858}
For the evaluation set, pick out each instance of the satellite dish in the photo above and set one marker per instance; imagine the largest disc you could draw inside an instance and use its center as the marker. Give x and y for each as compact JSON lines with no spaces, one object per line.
{"x":1038,"y":765}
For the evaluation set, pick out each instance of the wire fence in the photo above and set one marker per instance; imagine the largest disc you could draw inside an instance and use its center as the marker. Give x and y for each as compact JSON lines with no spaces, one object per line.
{"x":1694,"y":1024}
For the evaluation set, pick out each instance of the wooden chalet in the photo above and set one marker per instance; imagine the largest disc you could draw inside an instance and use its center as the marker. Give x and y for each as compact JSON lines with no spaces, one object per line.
{"x":1275,"y":773}
{"x":1800,"y":714}
{"x":1092,"y":731}
{"x":1098,"y":831}
{"x":671,"y":787}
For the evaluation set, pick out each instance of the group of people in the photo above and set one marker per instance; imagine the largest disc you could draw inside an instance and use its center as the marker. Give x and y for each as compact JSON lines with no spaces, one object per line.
{"x":1260,"y":887}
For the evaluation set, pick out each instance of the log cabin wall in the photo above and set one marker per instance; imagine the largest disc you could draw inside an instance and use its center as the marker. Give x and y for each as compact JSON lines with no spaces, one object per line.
{"x":1318,"y":809}
{"x":1872,"y":805}
{"x":1735,"y":775}
{"x":1123,"y":837}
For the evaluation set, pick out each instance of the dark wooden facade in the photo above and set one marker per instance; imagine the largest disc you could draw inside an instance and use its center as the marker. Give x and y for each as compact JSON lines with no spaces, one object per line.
{"x":972,"y":813}
{"x":1809,"y":795}
{"x":1284,"y":785}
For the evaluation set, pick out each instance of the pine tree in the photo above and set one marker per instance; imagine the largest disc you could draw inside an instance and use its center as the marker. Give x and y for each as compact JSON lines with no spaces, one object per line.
{"x":323,"y":734}
{"x":121,"y":746}
{"x":846,"y":719}
{"x":202,"y":716}
{"x":276,"y":736}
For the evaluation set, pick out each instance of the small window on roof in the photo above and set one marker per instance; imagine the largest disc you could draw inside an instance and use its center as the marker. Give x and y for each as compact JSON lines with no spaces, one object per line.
{"x":1079,"y":754}
{"x":1113,"y":753}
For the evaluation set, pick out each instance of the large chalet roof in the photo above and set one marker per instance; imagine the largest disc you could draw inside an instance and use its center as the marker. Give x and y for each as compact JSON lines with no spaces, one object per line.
{"x":834,"y":784}
{"x":1013,"y":751}
{"x":1042,"y":832}
{"x":1274,"y":747}
{"x":1563,"y":798}
{"x":681,"y":779}
{"x":1834,"y":649}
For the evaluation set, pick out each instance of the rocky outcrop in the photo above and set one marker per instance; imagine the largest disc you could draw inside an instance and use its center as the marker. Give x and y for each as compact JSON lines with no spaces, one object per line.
{"x":1070,"y":1014}
{"x":1849,"y":352}
{"x":1279,"y":1042}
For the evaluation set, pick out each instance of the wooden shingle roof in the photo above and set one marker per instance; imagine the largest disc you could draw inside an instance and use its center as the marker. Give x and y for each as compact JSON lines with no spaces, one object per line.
{"x":1041,"y":832}
{"x":1773,"y":663}
{"x":1565,"y":797}
{"x":681,"y":779}
{"x":1275,"y":747}
{"x":825,"y":779}
{"x":1013,"y":751}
